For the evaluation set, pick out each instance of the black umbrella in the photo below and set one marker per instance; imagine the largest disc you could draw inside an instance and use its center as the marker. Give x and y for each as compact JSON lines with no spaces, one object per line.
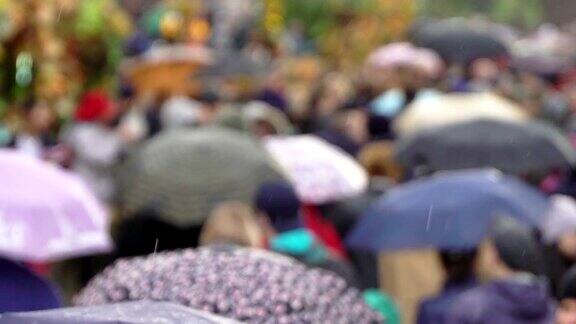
{"x":459,"y":42}
{"x":518,"y":148}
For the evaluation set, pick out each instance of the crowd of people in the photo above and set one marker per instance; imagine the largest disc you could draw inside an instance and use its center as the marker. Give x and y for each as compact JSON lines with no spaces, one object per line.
{"x":215,"y":261}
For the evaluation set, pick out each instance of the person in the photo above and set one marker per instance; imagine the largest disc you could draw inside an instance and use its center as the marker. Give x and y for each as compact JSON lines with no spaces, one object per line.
{"x":278,"y":202}
{"x":511,"y":260}
{"x":234,"y":223}
{"x":210,"y":107}
{"x":333,"y":92}
{"x":378,"y":160}
{"x":460,"y":277}
{"x":23,"y":290}
{"x":37,"y":135}
{"x":566,"y":311}
{"x":179,"y":112}
{"x":302,"y":245}
{"x":132,"y":111}
{"x":559,"y":238}
{"x":96,"y":142}
{"x":346,"y":128}
{"x":145,"y":232}
{"x":262,"y":120}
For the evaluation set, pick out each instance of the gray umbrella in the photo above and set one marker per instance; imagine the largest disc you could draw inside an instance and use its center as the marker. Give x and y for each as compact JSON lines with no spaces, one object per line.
{"x":233,"y":64}
{"x":130,"y":312}
{"x":183,"y":174}
{"x":518,"y":148}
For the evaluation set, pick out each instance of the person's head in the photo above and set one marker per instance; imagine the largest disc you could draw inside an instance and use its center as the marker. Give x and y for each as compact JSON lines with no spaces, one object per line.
{"x":512,"y":248}
{"x":566,"y":311}
{"x":126,"y":95}
{"x":377,"y":158}
{"x":484,"y":70}
{"x":559,"y":225}
{"x":459,"y":265}
{"x":40,"y":117}
{"x":278,"y":201}
{"x":210,"y":106}
{"x":351,"y":120}
{"x":233,"y":223}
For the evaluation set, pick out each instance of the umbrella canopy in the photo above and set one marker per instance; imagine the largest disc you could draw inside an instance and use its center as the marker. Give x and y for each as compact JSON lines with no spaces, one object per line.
{"x":450,"y":210}
{"x":459,"y":42}
{"x":545,"y":65}
{"x":518,"y":148}
{"x":131,"y":312}
{"x":450,"y":108}
{"x":406,"y":55}
{"x":47,"y":213}
{"x":166,"y":68}
{"x":233,"y":64}
{"x":184,"y":174}
{"x":245,"y":284}
{"x":319,"y":171}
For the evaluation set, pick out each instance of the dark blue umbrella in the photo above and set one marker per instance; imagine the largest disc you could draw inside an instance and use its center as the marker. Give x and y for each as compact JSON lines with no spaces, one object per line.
{"x":451,"y":210}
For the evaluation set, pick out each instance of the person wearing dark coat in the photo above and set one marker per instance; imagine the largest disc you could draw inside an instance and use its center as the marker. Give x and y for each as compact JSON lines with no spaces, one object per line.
{"x":566,"y":311}
{"x":559,"y":239}
{"x":38,"y":136}
{"x":145,"y":233}
{"x":280,"y":204}
{"x":512,"y":259}
{"x":23,"y":291}
{"x":459,"y":267}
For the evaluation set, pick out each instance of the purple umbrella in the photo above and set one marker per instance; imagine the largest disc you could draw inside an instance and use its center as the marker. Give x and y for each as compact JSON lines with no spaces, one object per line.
{"x":47,"y":213}
{"x":249,"y":285}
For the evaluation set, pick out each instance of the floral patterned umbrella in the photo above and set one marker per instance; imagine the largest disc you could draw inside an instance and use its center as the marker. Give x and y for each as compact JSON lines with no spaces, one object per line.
{"x":249,"y":285}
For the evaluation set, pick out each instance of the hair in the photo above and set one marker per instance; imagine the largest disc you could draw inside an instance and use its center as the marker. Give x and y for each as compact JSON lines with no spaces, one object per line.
{"x":377,"y":158}
{"x":235,"y":223}
{"x":459,"y":265}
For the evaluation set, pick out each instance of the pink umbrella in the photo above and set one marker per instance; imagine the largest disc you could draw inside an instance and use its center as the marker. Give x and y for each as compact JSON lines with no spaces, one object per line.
{"x":392,"y":55}
{"x":319,"y":171}
{"x":405,"y":54}
{"x":47,"y":213}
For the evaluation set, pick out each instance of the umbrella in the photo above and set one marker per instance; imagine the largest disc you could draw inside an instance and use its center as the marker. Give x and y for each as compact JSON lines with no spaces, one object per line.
{"x":518,"y":148}
{"x":233,"y":64}
{"x":320,"y":172}
{"x":459,"y":42}
{"x":185,"y":173}
{"x":166,"y":68}
{"x":405,"y":55}
{"x":130,"y":312}
{"x":245,"y":284}
{"x":47,"y":213}
{"x":545,"y":65}
{"x":450,"y":210}
{"x":450,"y":108}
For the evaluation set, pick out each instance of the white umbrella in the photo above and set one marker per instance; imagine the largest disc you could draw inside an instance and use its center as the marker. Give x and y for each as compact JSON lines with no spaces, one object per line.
{"x":319,"y":171}
{"x":453,"y":108}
